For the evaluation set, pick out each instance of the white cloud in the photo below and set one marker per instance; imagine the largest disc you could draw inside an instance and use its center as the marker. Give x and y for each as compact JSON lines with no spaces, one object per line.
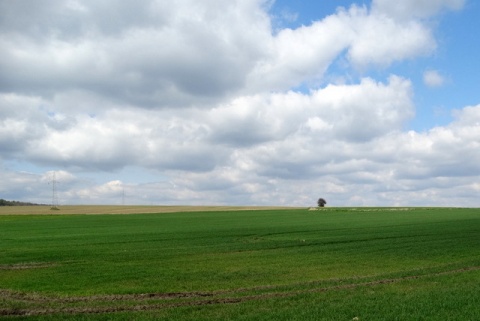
{"x":382,"y":40}
{"x":147,"y":54}
{"x":438,"y":167}
{"x":432,"y":78}
{"x":301,"y":54}
{"x":188,"y":53}
{"x":407,"y":9}
{"x":196,"y":139}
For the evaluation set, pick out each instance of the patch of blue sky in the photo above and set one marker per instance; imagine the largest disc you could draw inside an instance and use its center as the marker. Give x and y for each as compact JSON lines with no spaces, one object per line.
{"x":296,"y":13}
{"x":456,"y":60}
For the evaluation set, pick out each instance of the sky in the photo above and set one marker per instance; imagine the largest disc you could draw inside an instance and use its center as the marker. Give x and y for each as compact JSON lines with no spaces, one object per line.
{"x":240,"y":102}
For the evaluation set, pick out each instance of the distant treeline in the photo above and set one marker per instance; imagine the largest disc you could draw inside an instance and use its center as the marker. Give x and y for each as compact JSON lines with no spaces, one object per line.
{"x":15,"y":203}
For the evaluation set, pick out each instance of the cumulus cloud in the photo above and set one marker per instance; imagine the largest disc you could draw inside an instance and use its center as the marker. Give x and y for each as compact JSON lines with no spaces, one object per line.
{"x":297,"y":55}
{"x":432,"y":78}
{"x":397,"y":166}
{"x":147,"y":54}
{"x":382,"y":40}
{"x":201,"y":140}
{"x":188,"y":54}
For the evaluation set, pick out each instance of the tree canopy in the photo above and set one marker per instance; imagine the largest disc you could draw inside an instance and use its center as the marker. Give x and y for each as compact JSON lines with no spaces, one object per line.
{"x":14,"y":203}
{"x":321,"y":202}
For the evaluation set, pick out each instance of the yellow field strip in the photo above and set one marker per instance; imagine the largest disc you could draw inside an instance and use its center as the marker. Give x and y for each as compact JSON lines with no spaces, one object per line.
{"x":122,"y":209}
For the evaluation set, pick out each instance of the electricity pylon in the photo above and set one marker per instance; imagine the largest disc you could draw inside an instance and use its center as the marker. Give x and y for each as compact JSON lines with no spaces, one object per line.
{"x":54,"y":193}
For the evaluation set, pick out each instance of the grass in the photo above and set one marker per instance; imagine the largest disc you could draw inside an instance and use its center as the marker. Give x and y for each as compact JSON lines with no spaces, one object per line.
{"x":276,"y":264}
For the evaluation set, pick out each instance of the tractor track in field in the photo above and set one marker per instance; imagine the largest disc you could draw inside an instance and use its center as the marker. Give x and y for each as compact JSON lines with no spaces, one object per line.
{"x":26,"y":266}
{"x":131,"y":302}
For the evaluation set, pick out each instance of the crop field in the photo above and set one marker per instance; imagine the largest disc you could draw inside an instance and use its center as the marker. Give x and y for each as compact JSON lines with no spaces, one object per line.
{"x":234,"y":264}
{"x":121,"y":209}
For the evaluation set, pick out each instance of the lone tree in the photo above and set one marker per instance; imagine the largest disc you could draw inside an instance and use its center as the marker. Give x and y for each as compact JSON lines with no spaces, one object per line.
{"x":321,"y":202}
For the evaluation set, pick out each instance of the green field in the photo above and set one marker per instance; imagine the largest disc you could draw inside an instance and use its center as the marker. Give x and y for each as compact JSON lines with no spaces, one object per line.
{"x":275,"y":264}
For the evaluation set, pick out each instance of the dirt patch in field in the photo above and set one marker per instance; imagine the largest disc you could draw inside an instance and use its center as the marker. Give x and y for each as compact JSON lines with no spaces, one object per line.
{"x":27,"y":266}
{"x":158,"y":301}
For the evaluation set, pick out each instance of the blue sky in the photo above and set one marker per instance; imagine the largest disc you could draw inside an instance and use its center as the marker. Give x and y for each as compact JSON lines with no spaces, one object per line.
{"x":363,"y":103}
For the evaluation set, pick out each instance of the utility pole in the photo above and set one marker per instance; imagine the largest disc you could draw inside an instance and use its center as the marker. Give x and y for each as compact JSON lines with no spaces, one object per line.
{"x":54,"y":193}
